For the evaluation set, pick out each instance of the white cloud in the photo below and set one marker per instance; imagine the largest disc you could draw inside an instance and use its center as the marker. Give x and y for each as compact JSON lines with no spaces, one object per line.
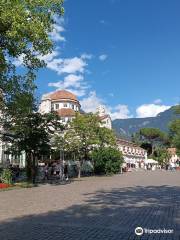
{"x":72,"y":65}
{"x":150,"y":110}
{"x":91,"y":102}
{"x":103,"y":57}
{"x":73,"y":83}
{"x":69,"y":81}
{"x":78,"y":92}
{"x":86,"y":56}
{"x":74,"y":69}
{"x":120,"y":112}
{"x":67,"y":65}
{"x":58,"y":29}
{"x":18,"y":62}
{"x":49,"y":57}
{"x":56,"y":34}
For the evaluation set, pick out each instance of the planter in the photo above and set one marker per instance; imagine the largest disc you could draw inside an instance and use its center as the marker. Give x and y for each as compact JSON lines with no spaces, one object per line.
{"x":4,"y":185}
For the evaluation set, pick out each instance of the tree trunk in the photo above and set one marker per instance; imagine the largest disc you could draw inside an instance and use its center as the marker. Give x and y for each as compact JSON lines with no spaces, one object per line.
{"x":28,"y":167}
{"x":33,"y":168}
{"x":79,"y":169}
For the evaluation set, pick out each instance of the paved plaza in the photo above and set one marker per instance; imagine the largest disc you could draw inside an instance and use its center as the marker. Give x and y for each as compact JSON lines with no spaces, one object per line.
{"x":97,"y":208}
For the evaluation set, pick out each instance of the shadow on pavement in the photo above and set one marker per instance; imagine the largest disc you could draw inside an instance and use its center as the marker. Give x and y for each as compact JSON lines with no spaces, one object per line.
{"x":105,"y":215}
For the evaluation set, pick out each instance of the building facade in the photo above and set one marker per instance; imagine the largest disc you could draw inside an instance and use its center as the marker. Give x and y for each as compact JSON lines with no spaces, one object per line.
{"x":134,"y":156}
{"x":63,"y":102}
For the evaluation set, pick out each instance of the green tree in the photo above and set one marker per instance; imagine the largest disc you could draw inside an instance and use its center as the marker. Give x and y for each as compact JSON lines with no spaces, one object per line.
{"x":175,"y":134}
{"x":84,"y":135}
{"x":162,"y":156}
{"x":106,"y":137}
{"x":24,"y":29}
{"x":154,"y":136}
{"x":107,"y":160}
{"x":32,"y":135}
{"x":177,"y":109}
{"x":81,"y":136}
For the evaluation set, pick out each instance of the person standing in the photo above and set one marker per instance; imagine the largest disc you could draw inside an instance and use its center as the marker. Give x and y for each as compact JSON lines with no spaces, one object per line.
{"x":66,"y":172}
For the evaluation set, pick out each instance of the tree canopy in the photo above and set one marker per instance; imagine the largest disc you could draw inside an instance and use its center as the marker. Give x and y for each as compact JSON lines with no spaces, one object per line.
{"x":175,"y":134}
{"x":107,"y":160}
{"x":24,"y":29}
{"x":32,"y":135}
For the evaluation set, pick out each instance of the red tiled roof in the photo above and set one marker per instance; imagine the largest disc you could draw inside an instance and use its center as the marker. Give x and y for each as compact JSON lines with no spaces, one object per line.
{"x":66,"y":112}
{"x":63,"y":94}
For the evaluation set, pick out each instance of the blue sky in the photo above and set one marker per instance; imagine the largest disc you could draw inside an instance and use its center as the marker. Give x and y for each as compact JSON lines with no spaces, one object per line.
{"x":124,"y":54}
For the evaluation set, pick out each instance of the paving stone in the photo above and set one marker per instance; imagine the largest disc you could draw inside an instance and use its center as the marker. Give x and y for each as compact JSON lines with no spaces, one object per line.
{"x":100,"y":208}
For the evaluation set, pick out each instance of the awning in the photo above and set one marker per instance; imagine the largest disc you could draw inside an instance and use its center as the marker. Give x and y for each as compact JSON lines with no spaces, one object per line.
{"x":151,"y":161}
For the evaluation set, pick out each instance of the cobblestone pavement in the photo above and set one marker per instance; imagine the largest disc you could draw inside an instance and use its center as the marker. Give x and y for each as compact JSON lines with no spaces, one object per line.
{"x":98,"y":208}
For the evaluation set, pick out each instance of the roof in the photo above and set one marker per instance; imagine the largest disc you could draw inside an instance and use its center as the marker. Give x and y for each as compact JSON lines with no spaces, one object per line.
{"x":66,"y":112}
{"x":63,"y":94}
{"x":124,"y":142}
{"x":104,"y":117}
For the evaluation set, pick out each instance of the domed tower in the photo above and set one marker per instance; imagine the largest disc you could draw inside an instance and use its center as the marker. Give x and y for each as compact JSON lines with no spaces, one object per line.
{"x":104,"y":117}
{"x":63,"y":102}
{"x":101,"y":110}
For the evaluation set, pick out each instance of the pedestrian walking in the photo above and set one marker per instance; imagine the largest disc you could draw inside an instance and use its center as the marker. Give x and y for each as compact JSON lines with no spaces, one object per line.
{"x":46,"y":174}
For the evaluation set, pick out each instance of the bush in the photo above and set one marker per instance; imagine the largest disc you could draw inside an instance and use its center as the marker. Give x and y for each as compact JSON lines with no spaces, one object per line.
{"x":6,"y":176}
{"x":107,"y":160}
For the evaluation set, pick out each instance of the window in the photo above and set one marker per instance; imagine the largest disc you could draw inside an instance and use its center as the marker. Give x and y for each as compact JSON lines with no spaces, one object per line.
{"x":65,"y":105}
{"x":72,"y":106}
{"x":56,"y":106}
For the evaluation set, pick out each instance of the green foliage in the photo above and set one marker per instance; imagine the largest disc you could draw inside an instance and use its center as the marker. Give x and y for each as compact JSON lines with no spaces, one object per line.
{"x":82,"y":135}
{"x":107,"y":160}
{"x":175,"y":134}
{"x":152,"y":134}
{"x":106,"y":137}
{"x":6,"y":176}
{"x":177,"y":109}
{"x":32,"y":135}
{"x":24,"y":29}
{"x":85,"y":134}
{"x":162,"y":156}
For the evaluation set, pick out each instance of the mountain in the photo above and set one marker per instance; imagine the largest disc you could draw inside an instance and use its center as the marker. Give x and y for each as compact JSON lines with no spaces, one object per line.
{"x":126,"y":127}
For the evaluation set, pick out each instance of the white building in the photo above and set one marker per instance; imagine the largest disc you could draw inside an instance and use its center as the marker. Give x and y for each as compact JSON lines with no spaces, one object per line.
{"x":104,"y":117}
{"x":134,"y":156}
{"x":63,"y":102}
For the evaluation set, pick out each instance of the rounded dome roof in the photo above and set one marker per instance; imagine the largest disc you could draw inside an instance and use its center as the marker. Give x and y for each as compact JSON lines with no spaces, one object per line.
{"x":63,"y":94}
